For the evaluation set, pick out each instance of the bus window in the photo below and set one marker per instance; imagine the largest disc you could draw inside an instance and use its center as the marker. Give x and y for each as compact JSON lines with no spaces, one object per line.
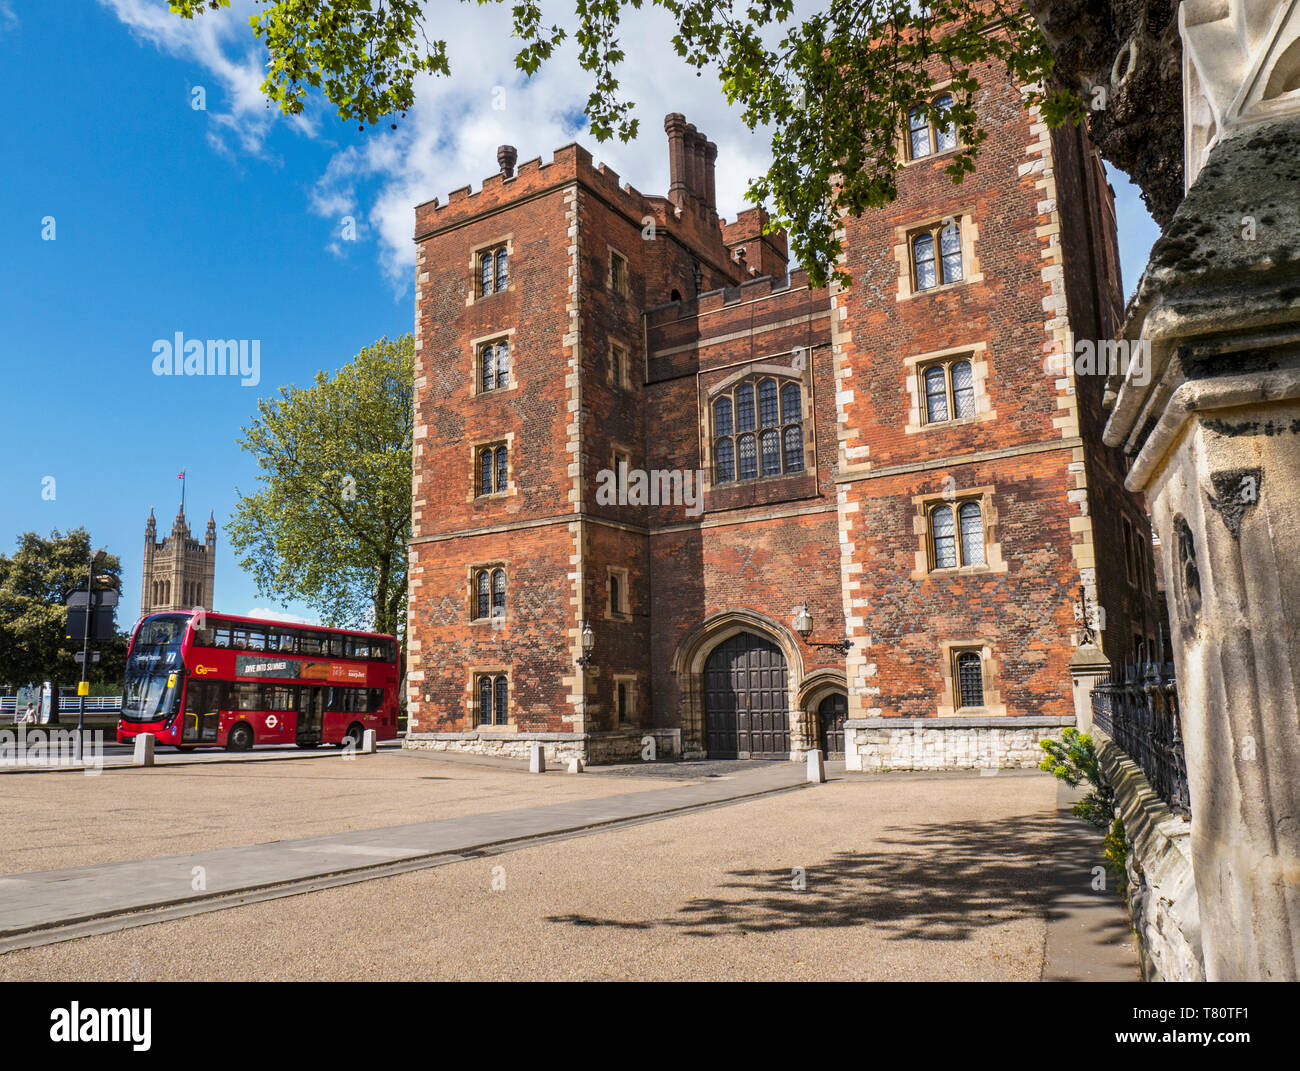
{"x":310,"y":643}
{"x":248,"y":696}
{"x":221,"y":637}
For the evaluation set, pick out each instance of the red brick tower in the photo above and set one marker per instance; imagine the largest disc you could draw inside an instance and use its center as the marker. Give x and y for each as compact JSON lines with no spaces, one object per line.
{"x":530,"y":366}
{"x":976,"y":498}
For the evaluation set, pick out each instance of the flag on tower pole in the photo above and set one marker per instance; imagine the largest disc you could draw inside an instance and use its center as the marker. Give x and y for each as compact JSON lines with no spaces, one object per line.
{"x":181,"y":476}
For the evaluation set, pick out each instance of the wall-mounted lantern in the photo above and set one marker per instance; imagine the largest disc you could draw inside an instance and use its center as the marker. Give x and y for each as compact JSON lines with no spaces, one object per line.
{"x":588,"y":642}
{"x":803,"y":625}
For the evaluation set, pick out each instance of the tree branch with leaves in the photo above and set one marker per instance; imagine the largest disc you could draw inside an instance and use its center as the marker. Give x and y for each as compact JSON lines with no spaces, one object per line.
{"x":834,"y":88}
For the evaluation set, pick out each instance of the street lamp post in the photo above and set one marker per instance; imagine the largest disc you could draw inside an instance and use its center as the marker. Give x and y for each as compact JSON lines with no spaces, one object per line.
{"x":83,"y":688}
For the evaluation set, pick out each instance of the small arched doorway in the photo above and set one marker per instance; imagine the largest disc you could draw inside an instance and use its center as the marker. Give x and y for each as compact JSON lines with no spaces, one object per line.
{"x":745,"y":700}
{"x":831,"y":714}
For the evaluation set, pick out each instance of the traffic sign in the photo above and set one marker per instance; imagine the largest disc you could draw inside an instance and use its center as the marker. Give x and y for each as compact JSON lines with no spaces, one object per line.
{"x":101,"y":624}
{"x":103,"y":598}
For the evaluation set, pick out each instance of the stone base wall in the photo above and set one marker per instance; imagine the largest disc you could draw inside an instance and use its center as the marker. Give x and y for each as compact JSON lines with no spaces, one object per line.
{"x":591,"y":748}
{"x":879,"y":744}
{"x":1162,"y":891}
{"x":630,"y":745}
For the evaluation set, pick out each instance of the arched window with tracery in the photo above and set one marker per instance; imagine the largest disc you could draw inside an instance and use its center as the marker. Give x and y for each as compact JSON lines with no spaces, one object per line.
{"x":493,"y":699}
{"x":503,"y":467}
{"x":763,"y":440}
{"x":493,"y":469}
{"x":928,"y":136}
{"x":494,"y":365}
{"x":957,"y":536}
{"x":493,"y":271}
{"x":724,"y":447}
{"x":498,"y":593}
{"x":489,"y":593}
{"x":937,"y":256}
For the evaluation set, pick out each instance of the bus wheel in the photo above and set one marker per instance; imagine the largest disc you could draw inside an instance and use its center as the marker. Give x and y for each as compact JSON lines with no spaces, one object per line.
{"x":353,"y":734}
{"x":240,"y":738}
{"x":184,"y":747}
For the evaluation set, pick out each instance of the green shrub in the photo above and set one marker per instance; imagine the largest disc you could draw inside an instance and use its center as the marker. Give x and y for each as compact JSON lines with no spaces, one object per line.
{"x":1117,"y":856}
{"x":1074,"y":760}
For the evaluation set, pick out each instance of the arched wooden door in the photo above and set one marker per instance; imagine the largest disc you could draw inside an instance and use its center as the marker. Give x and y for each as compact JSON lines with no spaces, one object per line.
{"x":831,"y":713}
{"x":745,"y":697}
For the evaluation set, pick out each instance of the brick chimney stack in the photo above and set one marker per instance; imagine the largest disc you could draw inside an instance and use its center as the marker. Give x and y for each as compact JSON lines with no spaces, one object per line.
{"x":710,"y":192}
{"x":692,"y":161}
{"x":691,"y":158}
{"x":506,"y":157}
{"x":675,"y":127}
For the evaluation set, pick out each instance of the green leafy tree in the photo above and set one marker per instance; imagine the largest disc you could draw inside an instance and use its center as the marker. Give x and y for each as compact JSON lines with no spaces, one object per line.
{"x":834,"y":88}
{"x":34,"y":583}
{"x":330,"y":522}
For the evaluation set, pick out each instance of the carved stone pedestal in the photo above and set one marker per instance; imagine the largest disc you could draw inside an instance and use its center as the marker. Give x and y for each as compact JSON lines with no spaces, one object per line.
{"x":1211,"y":416}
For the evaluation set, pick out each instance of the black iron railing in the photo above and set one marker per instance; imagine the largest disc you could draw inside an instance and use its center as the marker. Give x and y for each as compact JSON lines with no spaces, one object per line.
{"x":1138,"y":709}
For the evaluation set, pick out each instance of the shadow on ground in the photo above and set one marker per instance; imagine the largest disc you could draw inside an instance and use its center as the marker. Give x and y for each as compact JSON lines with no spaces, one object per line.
{"x":934,"y":882}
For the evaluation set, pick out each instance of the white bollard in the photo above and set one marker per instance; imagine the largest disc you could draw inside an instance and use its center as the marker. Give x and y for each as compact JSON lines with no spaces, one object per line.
{"x":575,"y":766}
{"x":143,"y":750}
{"x":369,"y":742}
{"x":816,"y":769}
{"x":536,"y":759}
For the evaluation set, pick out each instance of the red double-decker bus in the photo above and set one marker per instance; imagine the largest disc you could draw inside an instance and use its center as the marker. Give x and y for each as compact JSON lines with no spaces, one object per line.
{"x":195,"y":680}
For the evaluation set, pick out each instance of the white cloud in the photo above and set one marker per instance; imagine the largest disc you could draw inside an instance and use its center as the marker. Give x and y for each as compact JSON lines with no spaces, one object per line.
{"x":8,"y":20}
{"x":222,"y":45}
{"x":280,"y":615}
{"x":450,"y":137}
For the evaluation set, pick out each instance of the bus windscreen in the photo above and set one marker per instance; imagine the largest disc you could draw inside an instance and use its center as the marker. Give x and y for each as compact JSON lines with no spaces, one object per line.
{"x":154,"y":669}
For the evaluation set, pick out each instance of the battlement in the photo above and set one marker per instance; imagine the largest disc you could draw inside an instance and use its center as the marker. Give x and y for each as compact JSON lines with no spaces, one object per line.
{"x":676,"y":332}
{"x":767,"y":286}
{"x":568,"y":164}
{"x":746,"y":242}
{"x":688,"y":211}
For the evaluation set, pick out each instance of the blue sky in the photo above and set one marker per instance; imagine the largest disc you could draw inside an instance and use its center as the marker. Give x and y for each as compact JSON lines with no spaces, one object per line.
{"x":226,"y":223}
